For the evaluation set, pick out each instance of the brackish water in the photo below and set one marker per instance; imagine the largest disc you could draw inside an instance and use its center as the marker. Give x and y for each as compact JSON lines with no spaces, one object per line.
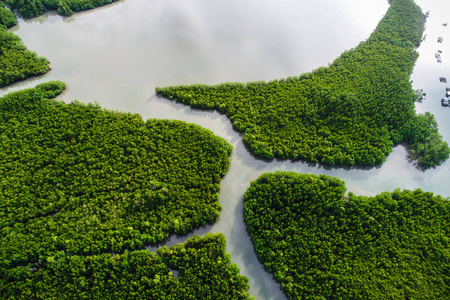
{"x":118,"y":54}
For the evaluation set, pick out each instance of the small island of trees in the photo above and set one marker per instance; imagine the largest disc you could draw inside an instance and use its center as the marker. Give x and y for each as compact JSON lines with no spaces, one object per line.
{"x":322,"y":244}
{"x":351,"y":112}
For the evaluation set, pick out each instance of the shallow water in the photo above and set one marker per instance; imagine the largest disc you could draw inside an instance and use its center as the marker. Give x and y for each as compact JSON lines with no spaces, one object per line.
{"x":118,"y":54}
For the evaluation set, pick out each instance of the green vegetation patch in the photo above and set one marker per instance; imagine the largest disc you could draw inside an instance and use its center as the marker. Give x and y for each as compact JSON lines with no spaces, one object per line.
{"x":33,"y":8}
{"x":351,"y":112}
{"x":7,"y":18}
{"x":16,"y":62}
{"x":202,"y":271}
{"x":322,"y":245}
{"x":84,"y":180}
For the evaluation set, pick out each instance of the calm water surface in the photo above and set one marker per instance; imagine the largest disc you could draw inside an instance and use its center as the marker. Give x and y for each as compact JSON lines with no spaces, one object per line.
{"x":118,"y":54}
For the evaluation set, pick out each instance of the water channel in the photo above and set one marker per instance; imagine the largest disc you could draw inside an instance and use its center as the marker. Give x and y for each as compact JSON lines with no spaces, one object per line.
{"x":117,"y":55}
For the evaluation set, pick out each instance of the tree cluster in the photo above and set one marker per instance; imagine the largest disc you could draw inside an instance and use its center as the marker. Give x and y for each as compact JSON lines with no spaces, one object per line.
{"x":16,"y":62}
{"x":33,"y":8}
{"x":7,"y":18}
{"x":351,"y":112}
{"x":321,"y":244}
{"x":83,"y":180}
{"x":427,"y":146}
{"x":197,"y":269}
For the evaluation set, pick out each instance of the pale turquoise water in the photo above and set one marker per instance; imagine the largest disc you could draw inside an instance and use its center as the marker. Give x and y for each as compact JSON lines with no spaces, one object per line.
{"x":118,"y":54}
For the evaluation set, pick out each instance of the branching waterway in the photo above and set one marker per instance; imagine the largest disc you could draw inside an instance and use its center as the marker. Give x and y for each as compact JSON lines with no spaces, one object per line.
{"x":118,"y":54}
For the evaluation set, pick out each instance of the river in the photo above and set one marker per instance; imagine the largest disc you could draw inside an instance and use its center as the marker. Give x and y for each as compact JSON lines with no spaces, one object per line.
{"x":119,"y":53}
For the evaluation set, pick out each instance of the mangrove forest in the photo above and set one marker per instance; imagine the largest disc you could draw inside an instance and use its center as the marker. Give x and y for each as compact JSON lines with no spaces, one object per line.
{"x":79,"y":182}
{"x":34,"y":8}
{"x":320,"y":243}
{"x":351,"y":112}
{"x":197,"y":269}
{"x":84,"y":191}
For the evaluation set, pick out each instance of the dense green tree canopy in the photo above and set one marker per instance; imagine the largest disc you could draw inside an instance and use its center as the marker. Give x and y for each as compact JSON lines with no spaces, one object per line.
{"x":320,"y":244}
{"x":16,"y":62}
{"x":7,"y":18}
{"x":78,"y":183}
{"x":351,"y":112}
{"x":204,"y":272}
{"x":84,"y":180}
{"x":34,"y":8}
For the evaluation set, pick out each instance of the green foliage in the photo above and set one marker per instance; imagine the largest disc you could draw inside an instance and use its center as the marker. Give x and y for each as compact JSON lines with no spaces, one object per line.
{"x":16,"y":62}
{"x":351,"y":112}
{"x":205,"y":272}
{"x":33,"y":8}
{"x":427,"y":145}
{"x":322,"y":245}
{"x":7,"y":18}
{"x":83,"y":180}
